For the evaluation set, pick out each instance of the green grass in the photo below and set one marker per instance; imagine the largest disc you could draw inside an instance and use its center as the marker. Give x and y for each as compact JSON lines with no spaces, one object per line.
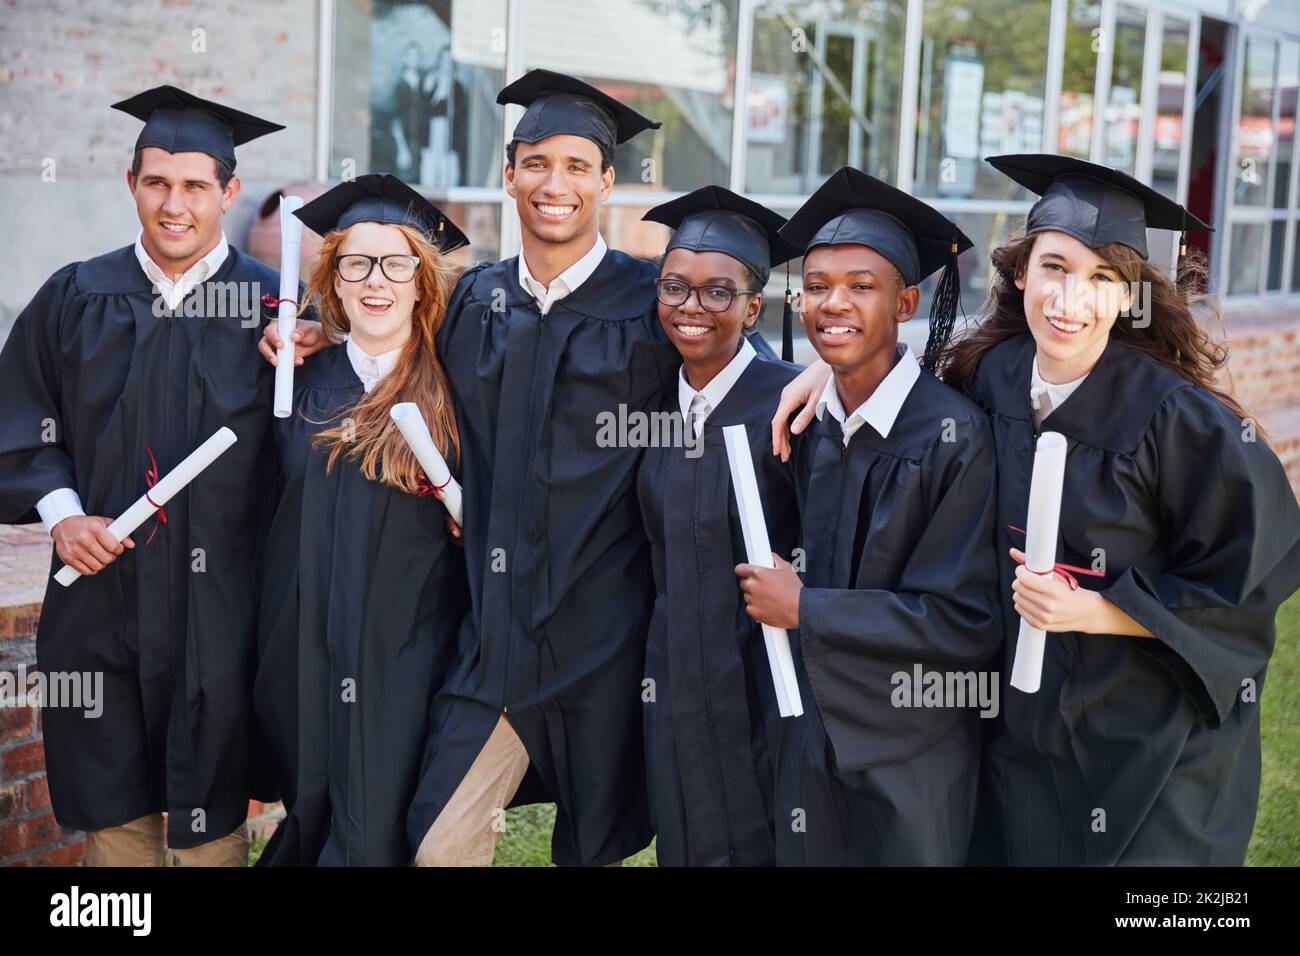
{"x":527,"y":839}
{"x":1276,"y":841}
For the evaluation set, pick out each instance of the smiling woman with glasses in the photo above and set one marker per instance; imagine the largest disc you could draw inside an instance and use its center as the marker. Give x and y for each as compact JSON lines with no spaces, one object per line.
{"x":710,"y":728}
{"x":365,"y":588}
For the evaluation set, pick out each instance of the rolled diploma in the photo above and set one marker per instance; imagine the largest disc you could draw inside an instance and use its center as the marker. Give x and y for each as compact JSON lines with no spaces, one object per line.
{"x":162,"y":492}
{"x":413,"y":428}
{"x":287,"y":317}
{"x":1041,"y":526}
{"x":744,"y":485}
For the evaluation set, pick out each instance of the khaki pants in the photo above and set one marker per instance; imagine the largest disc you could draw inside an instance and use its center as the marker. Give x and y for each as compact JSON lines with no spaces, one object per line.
{"x":140,"y":843}
{"x":469,"y":828}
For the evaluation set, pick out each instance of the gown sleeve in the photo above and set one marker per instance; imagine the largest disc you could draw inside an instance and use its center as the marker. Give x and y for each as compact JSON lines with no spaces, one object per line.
{"x":942,"y":614}
{"x":1232,"y":555}
{"x":33,"y":458}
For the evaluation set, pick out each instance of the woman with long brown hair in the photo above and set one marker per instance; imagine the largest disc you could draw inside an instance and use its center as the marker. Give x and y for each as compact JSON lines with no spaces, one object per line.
{"x":365,"y":588}
{"x":1179,"y":538}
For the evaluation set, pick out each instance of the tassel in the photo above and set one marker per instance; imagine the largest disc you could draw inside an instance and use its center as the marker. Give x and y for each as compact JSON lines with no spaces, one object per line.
{"x":787,"y":322}
{"x":943,"y":313}
{"x":1182,"y":254}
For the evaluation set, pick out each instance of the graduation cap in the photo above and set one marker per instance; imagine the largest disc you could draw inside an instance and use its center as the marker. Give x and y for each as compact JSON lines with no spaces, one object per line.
{"x":854,"y":208}
{"x":1094,"y":204}
{"x":714,"y":219}
{"x":381,"y":197}
{"x":564,"y":105}
{"x":180,"y":122}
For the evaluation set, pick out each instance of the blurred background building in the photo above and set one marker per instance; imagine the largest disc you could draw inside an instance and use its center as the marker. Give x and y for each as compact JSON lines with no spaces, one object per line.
{"x":1196,"y":97}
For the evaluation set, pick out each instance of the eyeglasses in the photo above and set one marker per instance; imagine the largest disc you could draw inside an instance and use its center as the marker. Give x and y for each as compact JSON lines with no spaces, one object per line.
{"x":357,"y":268}
{"x":712,"y":298}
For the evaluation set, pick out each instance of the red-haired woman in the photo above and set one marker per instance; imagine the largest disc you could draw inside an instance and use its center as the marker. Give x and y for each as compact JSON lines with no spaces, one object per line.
{"x":364,"y":586}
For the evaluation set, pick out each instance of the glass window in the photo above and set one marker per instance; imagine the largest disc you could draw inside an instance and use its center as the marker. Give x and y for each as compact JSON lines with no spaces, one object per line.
{"x":1253,"y":143}
{"x":675,"y":62}
{"x":823,"y":92}
{"x":415,"y":87}
{"x":987,"y":231}
{"x":1288,"y":75}
{"x":1247,"y":239}
{"x":983,"y":69}
{"x":1124,"y":107}
{"x":1083,"y":40}
{"x":1169,"y":108}
{"x":1276,"y":246}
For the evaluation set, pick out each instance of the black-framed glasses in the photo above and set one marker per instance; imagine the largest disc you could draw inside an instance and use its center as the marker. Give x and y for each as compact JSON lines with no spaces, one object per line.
{"x":356,"y":267}
{"x":712,"y":298}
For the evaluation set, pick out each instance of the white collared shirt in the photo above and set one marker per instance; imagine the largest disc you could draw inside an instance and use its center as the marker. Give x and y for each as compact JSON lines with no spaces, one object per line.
{"x":371,"y":368}
{"x":1054,"y":394}
{"x":697,"y":406}
{"x":65,"y":502}
{"x":881,"y":408}
{"x":567,"y":281}
{"x":174,"y":292}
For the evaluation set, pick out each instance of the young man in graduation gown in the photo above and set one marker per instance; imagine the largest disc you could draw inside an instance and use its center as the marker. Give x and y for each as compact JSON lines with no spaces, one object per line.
{"x":118,"y":368}
{"x":897,"y":607}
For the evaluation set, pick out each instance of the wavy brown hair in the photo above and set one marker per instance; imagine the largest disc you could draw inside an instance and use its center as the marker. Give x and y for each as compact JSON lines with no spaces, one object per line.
{"x":368,"y":434}
{"x":1171,"y":336}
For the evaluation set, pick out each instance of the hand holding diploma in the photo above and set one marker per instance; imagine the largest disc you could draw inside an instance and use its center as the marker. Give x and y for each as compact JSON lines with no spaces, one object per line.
{"x":744,"y":485}
{"x":290,"y":260}
{"x":1041,"y":528}
{"x":416,"y":432}
{"x":162,"y":492}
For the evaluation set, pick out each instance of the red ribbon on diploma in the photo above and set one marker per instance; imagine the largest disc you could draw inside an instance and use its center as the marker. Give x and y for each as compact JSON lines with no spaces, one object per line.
{"x":427,"y":487}
{"x":1063,"y":570}
{"x":151,"y":477}
{"x":271,"y":302}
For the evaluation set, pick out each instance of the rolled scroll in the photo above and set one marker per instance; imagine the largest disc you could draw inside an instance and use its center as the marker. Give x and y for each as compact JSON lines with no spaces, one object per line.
{"x":416,"y":432}
{"x":1041,"y":527}
{"x":162,"y":492}
{"x":758,"y":549}
{"x":287,"y":316}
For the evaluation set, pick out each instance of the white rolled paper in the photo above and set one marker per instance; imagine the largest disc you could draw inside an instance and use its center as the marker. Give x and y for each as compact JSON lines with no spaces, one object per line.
{"x":1041,"y":526}
{"x":162,"y":492}
{"x":287,"y":316}
{"x":416,"y":432}
{"x":744,"y":484}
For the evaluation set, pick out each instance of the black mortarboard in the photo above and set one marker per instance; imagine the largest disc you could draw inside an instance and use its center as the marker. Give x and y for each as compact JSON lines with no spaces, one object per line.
{"x":381,"y":197}
{"x":854,"y":208}
{"x":564,"y":105}
{"x":714,"y":219}
{"x":180,"y":122}
{"x":1094,"y":204}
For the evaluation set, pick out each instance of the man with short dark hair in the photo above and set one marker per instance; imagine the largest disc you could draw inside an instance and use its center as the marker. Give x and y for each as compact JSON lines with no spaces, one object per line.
{"x":117,"y":369}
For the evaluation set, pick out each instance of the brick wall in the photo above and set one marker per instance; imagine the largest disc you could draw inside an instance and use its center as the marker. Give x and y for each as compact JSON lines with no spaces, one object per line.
{"x":29,"y":835}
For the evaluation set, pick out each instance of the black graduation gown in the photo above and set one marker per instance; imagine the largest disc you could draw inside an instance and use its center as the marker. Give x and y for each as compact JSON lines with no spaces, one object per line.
{"x":559,"y":566}
{"x":366,"y":592}
{"x":898,"y":537}
{"x":710,"y":728}
{"x":172,"y":624}
{"x":1199,"y":531}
